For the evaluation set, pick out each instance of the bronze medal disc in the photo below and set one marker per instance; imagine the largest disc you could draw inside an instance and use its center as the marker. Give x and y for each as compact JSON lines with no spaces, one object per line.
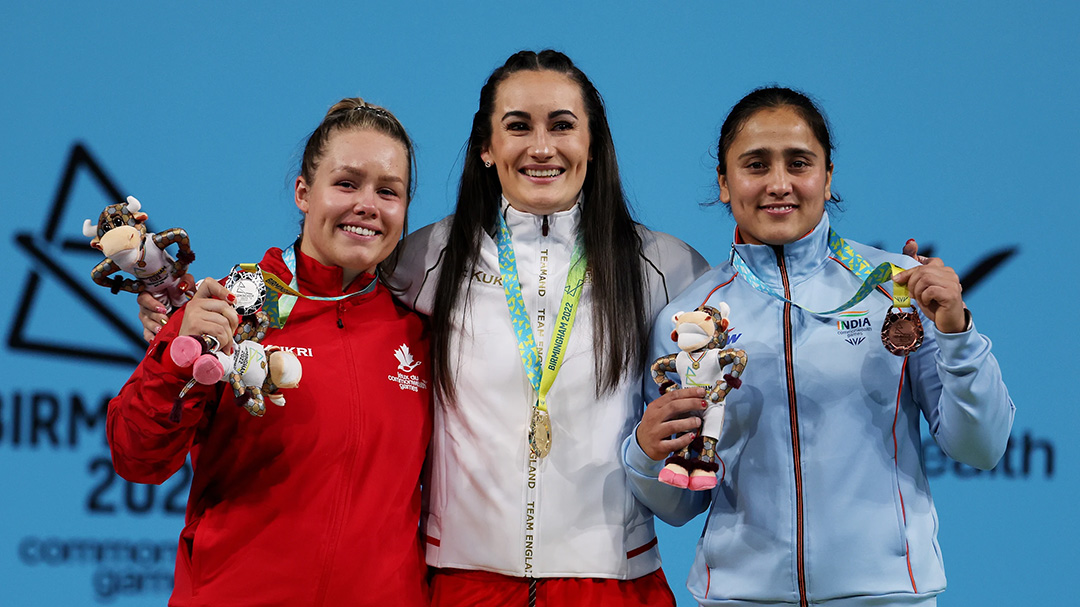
{"x":902,"y":332}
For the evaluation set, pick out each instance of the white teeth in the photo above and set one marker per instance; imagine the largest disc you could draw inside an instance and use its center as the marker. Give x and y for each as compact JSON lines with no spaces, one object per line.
{"x":543,"y":173}
{"x":358,"y":230}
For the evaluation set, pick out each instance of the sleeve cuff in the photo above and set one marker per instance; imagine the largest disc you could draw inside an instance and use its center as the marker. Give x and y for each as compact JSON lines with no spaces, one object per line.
{"x":964,"y":349}
{"x":637,"y":460}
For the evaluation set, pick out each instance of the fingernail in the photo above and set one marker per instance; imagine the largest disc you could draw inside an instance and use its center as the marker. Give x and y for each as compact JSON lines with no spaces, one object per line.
{"x":156,"y":329}
{"x":910,"y":240}
{"x":164,"y":321}
{"x":232,"y":298}
{"x":161,"y":310}
{"x":704,"y":404}
{"x":183,"y":286}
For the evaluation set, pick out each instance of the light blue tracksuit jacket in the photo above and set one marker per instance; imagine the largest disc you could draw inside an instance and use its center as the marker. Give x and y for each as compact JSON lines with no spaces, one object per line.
{"x":825,"y":498}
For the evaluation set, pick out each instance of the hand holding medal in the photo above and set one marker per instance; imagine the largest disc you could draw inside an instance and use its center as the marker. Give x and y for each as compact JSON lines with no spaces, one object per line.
{"x":210,"y":312}
{"x":935,"y":288}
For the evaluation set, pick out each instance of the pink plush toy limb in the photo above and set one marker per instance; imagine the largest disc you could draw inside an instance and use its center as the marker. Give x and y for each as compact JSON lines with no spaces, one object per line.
{"x":202,"y":354}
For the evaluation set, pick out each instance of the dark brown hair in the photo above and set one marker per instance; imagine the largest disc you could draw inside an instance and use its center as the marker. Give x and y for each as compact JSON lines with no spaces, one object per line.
{"x":609,"y":234}
{"x":771,"y":98}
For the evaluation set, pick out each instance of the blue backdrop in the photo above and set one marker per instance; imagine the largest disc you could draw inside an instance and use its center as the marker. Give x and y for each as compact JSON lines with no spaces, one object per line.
{"x":955,"y":124}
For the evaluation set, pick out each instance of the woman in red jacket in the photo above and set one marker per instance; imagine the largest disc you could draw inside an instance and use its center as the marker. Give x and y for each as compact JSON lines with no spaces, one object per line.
{"x":317,"y":502}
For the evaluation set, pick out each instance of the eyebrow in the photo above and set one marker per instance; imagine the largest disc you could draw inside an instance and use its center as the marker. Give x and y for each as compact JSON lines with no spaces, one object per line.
{"x":352,"y":170}
{"x":787,"y":151}
{"x":527,"y":116}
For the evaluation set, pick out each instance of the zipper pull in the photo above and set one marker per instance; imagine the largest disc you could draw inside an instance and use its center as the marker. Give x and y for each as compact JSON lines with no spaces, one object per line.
{"x":544,"y":227}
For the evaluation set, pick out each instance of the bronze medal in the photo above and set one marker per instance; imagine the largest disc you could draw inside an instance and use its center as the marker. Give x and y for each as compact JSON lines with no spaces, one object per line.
{"x":540,"y":433}
{"x":902,"y":332}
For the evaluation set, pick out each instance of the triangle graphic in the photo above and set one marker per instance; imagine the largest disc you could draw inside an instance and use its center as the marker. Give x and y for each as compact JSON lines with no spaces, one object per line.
{"x":49,"y":252}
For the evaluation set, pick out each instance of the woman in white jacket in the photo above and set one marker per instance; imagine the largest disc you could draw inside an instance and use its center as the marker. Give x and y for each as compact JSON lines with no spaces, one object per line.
{"x":527,"y":501}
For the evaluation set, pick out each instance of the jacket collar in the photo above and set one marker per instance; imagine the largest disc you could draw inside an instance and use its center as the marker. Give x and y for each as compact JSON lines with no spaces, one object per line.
{"x":525,"y":227}
{"x":802,"y":258}
{"x":314,"y":278}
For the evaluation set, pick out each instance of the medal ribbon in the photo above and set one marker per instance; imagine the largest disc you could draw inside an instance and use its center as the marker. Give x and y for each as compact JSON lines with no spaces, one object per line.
{"x":283,"y":296}
{"x":541,"y":379}
{"x":871,"y":277}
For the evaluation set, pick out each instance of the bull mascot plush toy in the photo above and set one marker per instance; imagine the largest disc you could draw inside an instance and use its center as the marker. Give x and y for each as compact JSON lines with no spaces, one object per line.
{"x":121,"y":235}
{"x":702,"y":336}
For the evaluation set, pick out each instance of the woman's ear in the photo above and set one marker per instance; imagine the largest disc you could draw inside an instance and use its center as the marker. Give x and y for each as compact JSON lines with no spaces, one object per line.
{"x":301,"y":194}
{"x":725,"y":195}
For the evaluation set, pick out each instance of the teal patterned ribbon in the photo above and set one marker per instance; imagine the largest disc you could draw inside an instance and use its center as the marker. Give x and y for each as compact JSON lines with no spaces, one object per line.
{"x":541,"y":379}
{"x":280,"y":298}
{"x":872,"y":277}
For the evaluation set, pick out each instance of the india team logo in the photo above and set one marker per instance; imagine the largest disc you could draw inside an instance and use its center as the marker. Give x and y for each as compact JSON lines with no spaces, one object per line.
{"x":853,"y":326}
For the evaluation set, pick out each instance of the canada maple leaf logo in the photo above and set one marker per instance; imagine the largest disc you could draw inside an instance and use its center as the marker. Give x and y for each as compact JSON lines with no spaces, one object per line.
{"x":405,"y":359}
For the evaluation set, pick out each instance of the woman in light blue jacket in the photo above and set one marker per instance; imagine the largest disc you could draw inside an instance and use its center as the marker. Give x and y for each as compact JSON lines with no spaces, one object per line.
{"x":823,"y":496}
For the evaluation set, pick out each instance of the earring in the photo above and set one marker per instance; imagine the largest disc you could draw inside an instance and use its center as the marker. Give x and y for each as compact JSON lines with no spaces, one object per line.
{"x":487,"y":164}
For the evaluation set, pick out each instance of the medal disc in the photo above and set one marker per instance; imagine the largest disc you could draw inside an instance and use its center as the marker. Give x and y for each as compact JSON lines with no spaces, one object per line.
{"x":540,"y":433}
{"x":249,"y":289}
{"x":902,"y":332}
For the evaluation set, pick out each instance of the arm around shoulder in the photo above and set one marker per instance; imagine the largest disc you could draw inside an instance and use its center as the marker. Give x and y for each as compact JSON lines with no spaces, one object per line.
{"x":416,"y":273}
{"x":676,"y":263}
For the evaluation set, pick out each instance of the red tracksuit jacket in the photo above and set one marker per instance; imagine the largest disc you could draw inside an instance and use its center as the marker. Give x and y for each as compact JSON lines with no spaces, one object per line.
{"x":318,"y":502}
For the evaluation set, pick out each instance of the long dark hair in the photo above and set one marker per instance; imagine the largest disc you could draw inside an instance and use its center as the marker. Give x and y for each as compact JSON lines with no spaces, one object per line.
{"x":611,"y":242}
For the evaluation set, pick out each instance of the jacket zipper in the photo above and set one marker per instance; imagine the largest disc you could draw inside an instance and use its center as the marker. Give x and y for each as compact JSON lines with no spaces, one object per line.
{"x":789,"y":365}
{"x":351,"y":448}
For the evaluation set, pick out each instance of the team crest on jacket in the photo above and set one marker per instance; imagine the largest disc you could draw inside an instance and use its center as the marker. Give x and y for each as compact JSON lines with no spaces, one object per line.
{"x":405,"y":378}
{"x":854,"y":326}
{"x":405,"y":359}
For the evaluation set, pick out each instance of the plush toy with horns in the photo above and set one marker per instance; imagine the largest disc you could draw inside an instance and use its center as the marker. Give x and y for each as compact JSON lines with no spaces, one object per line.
{"x":121,"y":235}
{"x":702,"y":336}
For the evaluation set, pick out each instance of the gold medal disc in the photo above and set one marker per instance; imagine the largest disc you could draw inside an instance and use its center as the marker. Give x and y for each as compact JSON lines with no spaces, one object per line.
{"x":540,"y":433}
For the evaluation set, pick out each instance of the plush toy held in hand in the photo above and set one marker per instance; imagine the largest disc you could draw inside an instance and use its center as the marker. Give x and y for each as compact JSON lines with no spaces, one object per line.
{"x":252,"y":370}
{"x":702,"y":336}
{"x":203,"y":353}
{"x":121,"y":235}
{"x":260,"y":373}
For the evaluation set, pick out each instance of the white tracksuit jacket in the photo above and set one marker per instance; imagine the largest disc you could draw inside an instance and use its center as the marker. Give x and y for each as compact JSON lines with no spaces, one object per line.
{"x":492,"y":507}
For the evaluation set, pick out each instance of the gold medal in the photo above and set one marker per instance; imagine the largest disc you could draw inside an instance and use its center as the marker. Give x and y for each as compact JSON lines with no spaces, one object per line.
{"x":540,"y":433}
{"x":902,"y":332}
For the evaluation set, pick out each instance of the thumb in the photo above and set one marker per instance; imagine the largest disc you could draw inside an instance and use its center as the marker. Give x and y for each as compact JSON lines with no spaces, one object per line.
{"x":911,"y":249}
